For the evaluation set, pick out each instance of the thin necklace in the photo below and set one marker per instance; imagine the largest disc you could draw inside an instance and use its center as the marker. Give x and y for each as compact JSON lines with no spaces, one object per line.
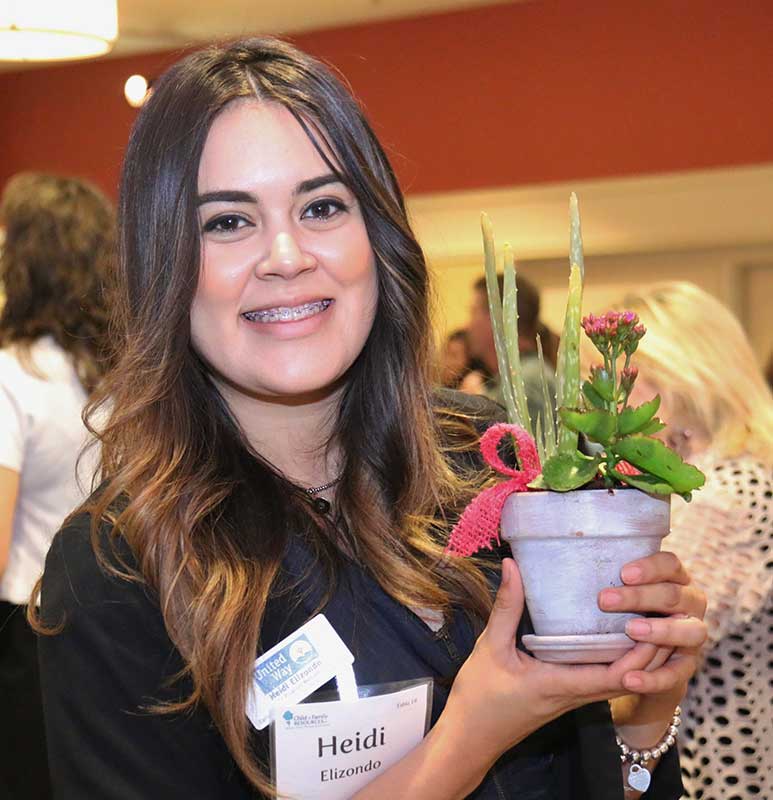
{"x":321,"y":506}
{"x":312,"y":490}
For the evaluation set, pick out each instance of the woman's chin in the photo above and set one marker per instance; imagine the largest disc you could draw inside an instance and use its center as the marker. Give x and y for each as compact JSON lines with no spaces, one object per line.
{"x":293,"y":389}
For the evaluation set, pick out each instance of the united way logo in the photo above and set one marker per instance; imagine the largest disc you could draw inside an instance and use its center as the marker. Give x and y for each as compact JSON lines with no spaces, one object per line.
{"x":301,"y":651}
{"x":285,"y":663}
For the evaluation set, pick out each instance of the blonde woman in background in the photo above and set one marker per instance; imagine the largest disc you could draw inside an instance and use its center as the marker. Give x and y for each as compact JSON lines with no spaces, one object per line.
{"x":719,"y":413}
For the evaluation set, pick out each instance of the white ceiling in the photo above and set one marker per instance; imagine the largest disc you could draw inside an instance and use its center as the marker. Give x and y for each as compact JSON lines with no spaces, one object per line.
{"x":146,"y":25}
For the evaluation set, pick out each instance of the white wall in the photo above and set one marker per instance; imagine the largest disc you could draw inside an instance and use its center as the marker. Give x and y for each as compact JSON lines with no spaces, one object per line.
{"x":714,"y":228}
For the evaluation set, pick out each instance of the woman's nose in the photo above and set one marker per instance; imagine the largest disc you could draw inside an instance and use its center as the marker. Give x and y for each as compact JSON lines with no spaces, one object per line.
{"x":285,"y":259}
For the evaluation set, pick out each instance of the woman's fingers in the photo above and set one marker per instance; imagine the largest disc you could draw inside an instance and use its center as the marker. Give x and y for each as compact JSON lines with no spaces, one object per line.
{"x":661,"y":598}
{"x":573,"y":685}
{"x":659,"y":567}
{"x":675,"y":631}
{"x":676,"y":672}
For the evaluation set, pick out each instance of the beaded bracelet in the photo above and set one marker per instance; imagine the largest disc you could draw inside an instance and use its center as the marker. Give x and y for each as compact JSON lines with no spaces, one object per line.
{"x":639,"y":776}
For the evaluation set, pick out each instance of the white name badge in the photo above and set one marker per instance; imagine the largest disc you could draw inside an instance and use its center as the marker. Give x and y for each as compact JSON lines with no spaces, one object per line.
{"x":329,"y":751}
{"x":297,"y":667}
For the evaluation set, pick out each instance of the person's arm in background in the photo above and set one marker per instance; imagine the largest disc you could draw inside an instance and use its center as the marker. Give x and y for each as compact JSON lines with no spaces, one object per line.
{"x":11,"y":454}
{"x":9,"y":490}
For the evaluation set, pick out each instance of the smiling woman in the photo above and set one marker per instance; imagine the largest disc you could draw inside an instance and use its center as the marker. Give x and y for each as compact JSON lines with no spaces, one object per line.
{"x":288,"y":277}
{"x":274,"y":448}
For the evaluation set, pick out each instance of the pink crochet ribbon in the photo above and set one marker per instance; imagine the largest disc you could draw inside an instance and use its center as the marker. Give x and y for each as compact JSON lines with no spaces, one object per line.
{"x":478,"y":526}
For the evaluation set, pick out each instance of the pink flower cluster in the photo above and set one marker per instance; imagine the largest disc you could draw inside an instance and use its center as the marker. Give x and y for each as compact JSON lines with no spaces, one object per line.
{"x":615,"y":330}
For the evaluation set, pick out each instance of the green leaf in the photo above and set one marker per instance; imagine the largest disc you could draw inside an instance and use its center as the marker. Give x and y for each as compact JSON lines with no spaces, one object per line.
{"x":650,"y":483}
{"x":633,"y":420}
{"x":567,"y":471}
{"x":593,"y":397}
{"x":538,"y":483}
{"x":652,"y":456}
{"x":597,"y":425}
{"x":510,"y":321}
{"x":539,"y":440}
{"x":602,"y":382}
{"x":653,"y":426}
{"x":548,"y":403}
{"x":568,"y":369}
{"x":645,"y":482}
{"x":497,"y":324}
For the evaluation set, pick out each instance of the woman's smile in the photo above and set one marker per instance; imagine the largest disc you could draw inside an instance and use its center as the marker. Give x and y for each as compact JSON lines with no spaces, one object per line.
{"x":290,"y":322}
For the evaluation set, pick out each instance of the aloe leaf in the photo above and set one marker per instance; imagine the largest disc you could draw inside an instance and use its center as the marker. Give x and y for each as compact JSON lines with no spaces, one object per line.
{"x":593,"y":397}
{"x":567,"y":471}
{"x":633,"y":420}
{"x":495,"y":310}
{"x":653,"y":456}
{"x":597,"y":425}
{"x":510,"y":318}
{"x":568,"y":371}
{"x":547,"y":404}
{"x":575,"y":235}
{"x":540,"y":440}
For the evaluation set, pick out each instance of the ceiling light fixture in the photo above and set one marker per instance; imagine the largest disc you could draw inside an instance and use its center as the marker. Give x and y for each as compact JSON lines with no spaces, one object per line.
{"x":57,"y":30}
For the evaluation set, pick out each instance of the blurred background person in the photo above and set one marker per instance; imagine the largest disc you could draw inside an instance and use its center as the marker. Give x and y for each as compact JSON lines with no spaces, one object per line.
{"x":59,"y":240}
{"x":456,"y":362}
{"x":454,"y":359}
{"x":719,"y":413}
{"x":481,"y":343}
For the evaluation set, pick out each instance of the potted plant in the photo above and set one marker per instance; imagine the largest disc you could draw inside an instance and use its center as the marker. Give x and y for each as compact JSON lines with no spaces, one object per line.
{"x":592,"y":487}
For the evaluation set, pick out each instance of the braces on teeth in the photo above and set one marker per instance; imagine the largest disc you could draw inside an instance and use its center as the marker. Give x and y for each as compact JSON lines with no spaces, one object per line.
{"x":284,"y":314}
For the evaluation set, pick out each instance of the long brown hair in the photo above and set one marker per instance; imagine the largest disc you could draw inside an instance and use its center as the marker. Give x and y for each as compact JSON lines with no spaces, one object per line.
{"x":54,"y":267}
{"x":206,"y":517}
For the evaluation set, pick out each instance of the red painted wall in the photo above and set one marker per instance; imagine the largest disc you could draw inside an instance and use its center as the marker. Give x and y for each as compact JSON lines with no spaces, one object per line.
{"x":500,"y":95}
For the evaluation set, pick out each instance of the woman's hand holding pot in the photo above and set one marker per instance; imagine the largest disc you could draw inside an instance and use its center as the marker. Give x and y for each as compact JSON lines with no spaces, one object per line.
{"x":502,"y":694}
{"x":659,"y":585}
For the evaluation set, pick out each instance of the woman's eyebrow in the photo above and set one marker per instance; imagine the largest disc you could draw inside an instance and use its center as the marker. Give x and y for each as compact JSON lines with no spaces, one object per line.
{"x":239,"y":196}
{"x":314,"y":183}
{"x":226,"y":196}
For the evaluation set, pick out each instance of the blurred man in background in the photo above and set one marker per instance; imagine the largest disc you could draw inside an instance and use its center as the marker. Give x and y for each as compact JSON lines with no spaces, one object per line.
{"x":481,"y":345}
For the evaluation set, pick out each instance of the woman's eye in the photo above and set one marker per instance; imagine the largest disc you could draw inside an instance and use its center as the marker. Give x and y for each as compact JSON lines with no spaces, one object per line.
{"x":323,"y":209}
{"x":226,"y":223}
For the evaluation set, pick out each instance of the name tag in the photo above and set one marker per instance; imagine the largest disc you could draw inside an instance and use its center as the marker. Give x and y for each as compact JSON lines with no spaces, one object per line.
{"x":329,"y":751}
{"x":297,"y":667}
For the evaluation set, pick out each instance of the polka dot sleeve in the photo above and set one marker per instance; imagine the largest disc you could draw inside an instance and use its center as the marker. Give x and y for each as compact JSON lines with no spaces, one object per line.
{"x":724,"y":537}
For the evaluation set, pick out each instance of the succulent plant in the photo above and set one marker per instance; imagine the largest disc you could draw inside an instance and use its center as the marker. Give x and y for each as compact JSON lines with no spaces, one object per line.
{"x":625,"y":450}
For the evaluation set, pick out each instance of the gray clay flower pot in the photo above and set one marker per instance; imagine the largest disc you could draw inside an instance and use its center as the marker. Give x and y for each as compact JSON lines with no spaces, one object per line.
{"x":571,"y":545}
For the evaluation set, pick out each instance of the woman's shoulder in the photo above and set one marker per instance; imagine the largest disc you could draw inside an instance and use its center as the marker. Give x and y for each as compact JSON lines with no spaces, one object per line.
{"x":10,"y":366}
{"x":743,"y":483}
{"x":76,"y":580}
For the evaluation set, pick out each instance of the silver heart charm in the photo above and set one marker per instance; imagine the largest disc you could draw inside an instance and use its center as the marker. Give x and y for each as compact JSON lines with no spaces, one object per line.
{"x":639,"y":778}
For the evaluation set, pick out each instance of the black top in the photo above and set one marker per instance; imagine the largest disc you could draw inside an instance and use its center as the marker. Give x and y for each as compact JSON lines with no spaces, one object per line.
{"x":114,"y":658}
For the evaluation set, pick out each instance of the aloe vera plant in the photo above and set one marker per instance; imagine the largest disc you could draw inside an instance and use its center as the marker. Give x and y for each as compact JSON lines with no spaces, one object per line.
{"x":627,"y":453}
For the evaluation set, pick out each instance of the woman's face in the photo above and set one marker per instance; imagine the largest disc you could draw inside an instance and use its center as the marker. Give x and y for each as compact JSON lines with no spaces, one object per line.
{"x":287,"y":290}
